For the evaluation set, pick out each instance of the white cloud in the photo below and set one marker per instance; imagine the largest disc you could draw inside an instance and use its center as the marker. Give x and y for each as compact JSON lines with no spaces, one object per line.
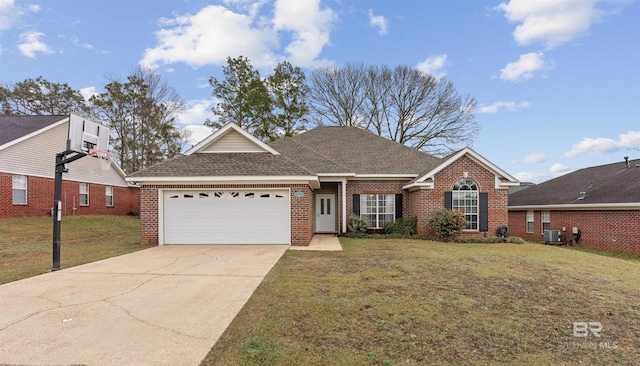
{"x":553,"y":22}
{"x":88,"y":92}
{"x":30,"y":44}
{"x":554,"y":171}
{"x":601,"y":145}
{"x":378,"y":21}
{"x":10,"y":14}
{"x":510,"y":106}
{"x":433,"y":65}
{"x":310,"y":27}
{"x":34,"y":8}
{"x":198,"y":111}
{"x":216,"y":32}
{"x":524,"y":68}
{"x":532,"y":158}
{"x":559,"y":168}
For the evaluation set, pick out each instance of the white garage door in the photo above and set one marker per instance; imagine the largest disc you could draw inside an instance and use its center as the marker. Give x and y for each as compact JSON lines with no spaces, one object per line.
{"x":226,"y":217}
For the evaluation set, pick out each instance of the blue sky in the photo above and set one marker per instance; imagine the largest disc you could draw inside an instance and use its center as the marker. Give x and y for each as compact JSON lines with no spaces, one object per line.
{"x":557,"y":82}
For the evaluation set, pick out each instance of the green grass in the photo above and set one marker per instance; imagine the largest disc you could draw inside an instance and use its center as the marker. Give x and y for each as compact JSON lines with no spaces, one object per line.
{"x":26,"y":243}
{"x":409,"y":302}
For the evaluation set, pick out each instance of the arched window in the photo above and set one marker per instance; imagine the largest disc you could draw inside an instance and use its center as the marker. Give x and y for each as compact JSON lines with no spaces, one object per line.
{"x":465,"y":199}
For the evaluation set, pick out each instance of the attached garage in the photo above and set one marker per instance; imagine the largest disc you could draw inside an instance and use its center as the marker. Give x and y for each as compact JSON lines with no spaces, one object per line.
{"x":225,"y":217}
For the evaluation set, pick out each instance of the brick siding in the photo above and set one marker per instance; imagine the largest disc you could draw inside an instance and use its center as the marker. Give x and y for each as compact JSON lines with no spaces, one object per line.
{"x":616,"y":230}
{"x":425,"y":202}
{"x":126,"y":200}
{"x":301,"y":209}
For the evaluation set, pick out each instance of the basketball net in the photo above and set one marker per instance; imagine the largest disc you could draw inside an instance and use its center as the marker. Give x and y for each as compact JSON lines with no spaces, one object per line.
{"x":104,"y":156}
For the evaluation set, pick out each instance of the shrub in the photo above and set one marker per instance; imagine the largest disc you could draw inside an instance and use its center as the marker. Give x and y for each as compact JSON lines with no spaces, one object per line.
{"x":407,"y":226}
{"x":447,"y":223}
{"x":358,"y":225}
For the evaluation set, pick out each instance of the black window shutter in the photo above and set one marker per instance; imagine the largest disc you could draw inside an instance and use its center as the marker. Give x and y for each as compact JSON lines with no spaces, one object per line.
{"x":356,"y":204}
{"x":398,"y":206}
{"x":484,"y":211}
{"x":448,"y":200}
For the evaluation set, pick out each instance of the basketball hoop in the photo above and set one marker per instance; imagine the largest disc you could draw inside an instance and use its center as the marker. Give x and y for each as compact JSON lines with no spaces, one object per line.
{"x":104,"y":156}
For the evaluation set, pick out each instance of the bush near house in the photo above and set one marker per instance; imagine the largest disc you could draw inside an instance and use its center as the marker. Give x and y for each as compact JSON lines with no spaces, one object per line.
{"x":447,"y":223}
{"x":358,"y":225}
{"x":407,"y":226}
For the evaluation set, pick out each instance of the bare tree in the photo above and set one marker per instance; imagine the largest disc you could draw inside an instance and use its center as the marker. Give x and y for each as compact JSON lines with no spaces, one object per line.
{"x":402,"y":104}
{"x":337,"y":95}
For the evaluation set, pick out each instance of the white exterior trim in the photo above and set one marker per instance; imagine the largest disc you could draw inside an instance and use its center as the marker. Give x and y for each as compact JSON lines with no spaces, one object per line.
{"x":579,"y":207}
{"x":511,"y":181}
{"x":344,"y":205}
{"x":310,"y":180}
{"x":223,"y":131}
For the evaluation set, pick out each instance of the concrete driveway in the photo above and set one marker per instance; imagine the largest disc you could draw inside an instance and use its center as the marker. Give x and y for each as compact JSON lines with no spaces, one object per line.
{"x":165,"y":305}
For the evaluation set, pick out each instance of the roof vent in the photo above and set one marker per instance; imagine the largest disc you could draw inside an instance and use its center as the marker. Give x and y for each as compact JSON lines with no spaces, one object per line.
{"x":626,"y":161}
{"x":582,"y":195}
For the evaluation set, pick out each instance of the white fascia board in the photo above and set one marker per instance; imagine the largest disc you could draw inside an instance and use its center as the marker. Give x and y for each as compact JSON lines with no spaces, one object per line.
{"x":416,"y":186}
{"x":310,"y":180}
{"x":475,"y":156}
{"x":384,"y":176}
{"x":35,"y":133}
{"x":579,"y":207}
{"x":223,"y":131}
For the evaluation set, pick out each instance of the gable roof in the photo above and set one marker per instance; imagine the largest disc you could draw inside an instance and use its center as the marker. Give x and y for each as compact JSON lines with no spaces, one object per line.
{"x":13,"y":128}
{"x":613,"y":185}
{"x":336,"y":149}
{"x":503,"y":179}
{"x":231,"y":139}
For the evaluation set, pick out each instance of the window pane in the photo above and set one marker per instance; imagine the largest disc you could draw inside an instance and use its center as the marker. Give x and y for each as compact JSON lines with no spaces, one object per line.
{"x":328,"y":206}
{"x":321,"y":206}
{"x":19,"y":196}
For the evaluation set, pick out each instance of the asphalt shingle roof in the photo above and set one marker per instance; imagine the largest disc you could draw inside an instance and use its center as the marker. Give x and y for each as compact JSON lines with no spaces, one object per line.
{"x":353,"y":150}
{"x":15,"y":127}
{"x":320,"y":150}
{"x":225,"y":164}
{"x":611,"y":183}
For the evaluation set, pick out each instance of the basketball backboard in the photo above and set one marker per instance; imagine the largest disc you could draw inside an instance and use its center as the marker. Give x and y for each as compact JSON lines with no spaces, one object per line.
{"x":85,"y":134}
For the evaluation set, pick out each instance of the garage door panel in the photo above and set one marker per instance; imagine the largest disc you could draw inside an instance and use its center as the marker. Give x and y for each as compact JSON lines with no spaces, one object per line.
{"x":226,"y":217}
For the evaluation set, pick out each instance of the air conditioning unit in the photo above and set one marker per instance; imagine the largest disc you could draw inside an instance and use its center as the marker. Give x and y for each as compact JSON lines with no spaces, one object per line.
{"x":552,"y":237}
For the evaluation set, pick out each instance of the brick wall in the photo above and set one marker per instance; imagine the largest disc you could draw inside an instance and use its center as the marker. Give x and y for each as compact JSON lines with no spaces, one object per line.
{"x":301,"y":209}
{"x":616,"y":230}
{"x":377,"y":187}
{"x":40,"y":199}
{"x":426,"y":201}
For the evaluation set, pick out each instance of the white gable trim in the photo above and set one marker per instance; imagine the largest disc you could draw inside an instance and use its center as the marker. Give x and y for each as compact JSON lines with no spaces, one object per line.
{"x":202,"y":145}
{"x":35,"y":133}
{"x":503,"y":179}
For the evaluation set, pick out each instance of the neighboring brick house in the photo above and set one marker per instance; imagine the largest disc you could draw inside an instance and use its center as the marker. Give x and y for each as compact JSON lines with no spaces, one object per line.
{"x":28,"y":148}
{"x":603,"y":202}
{"x":233,"y":189}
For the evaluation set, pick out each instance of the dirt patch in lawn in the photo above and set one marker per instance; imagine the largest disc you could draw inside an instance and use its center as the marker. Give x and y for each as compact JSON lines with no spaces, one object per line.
{"x":404,"y":302}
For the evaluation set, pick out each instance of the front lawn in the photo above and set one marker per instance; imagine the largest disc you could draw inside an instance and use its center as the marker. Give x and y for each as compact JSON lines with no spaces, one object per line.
{"x":26,"y":243}
{"x":408,"y":302}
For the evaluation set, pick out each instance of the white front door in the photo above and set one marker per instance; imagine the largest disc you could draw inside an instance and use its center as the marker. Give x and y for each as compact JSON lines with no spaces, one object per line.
{"x":325,"y":213}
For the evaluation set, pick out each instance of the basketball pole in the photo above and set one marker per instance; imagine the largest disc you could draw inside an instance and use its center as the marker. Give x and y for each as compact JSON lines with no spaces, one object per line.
{"x":61,"y":161}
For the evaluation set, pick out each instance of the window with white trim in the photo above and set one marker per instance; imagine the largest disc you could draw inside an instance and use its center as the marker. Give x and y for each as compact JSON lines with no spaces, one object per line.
{"x":19,"y":189}
{"x":530,"y":224}
{"x":545,"y":218}
{"x":379,"y":208}
{"x":465,"y":199}
{"x":84,"y":194}
{"x":109,"y":196}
